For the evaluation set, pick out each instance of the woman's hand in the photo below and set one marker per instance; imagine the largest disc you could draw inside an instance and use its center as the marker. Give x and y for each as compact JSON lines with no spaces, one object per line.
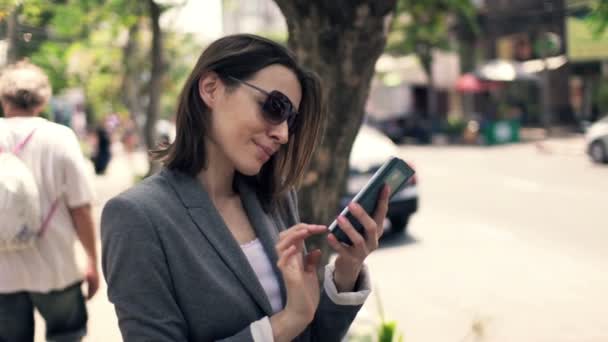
{"x":350,"y":258}
{"x":301,"y":281}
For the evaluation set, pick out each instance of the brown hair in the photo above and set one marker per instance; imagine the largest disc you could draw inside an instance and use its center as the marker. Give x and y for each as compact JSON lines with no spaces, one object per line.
{"x":241,"y":56}
{"x":25,"y":86}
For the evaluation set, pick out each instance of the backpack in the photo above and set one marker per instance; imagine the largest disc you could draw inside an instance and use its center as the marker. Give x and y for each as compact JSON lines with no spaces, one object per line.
{"x":21,"y":223}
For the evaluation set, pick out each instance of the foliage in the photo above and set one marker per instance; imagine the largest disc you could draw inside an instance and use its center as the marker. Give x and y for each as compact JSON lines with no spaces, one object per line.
{"x":601,"y":96}
{"x":74,"y":41}
{"x":599,"y":18}
{"x":388,"y":332}
{"x":79,"y":43}
{"x":183,"y":51}
{"x":455,"y":125}
{"x":420,"y":26}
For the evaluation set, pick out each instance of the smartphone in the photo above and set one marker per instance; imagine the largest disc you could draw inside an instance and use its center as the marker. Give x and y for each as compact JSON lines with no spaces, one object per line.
{"x":395,"y":173}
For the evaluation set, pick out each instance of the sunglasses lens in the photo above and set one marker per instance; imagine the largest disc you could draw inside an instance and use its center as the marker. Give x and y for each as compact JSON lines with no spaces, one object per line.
{"x":278,"y":108}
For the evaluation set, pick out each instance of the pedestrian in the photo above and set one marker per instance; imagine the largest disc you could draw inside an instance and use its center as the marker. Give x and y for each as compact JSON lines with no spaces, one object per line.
{"x":45,"y":206}
{"x":211,"y":247}
{"x":103,"y":150}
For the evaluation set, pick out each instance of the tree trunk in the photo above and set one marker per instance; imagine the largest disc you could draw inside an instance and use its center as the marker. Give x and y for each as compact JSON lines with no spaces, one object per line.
{"x":431,"y":95}
{"x":340,"y":40}
{"x":130,"y":85}
{"x":12,"y":33}
{"x":156,"y":75}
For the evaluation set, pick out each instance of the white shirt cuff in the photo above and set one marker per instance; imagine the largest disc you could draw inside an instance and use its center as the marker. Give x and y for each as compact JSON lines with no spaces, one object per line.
{"x":261,"y":330}
{"x":347,"y":298}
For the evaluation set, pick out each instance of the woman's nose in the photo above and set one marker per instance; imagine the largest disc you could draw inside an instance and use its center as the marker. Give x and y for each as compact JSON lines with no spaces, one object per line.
{"x":280,"y":132}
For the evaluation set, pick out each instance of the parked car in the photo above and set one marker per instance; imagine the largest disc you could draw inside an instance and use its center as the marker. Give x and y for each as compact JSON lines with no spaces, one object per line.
{"x":404,"y":128}
{"x":370,"y":150}
{"x":596,"y":139}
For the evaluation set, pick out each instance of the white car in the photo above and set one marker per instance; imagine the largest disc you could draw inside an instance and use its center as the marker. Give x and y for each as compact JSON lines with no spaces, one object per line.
{"x":596,"y":140}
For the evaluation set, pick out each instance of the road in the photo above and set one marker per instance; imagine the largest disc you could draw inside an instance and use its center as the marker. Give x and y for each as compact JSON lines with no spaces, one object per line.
{"x":508,"y":245}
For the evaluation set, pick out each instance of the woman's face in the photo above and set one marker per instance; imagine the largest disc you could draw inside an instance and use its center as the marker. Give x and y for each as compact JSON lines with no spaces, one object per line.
{"x":239,"y":132}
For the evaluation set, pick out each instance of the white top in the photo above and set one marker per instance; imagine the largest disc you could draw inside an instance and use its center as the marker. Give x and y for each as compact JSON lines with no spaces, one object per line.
{"x":259,"y":261}
{"x":53,"y":155}
{"x":261,"y":330}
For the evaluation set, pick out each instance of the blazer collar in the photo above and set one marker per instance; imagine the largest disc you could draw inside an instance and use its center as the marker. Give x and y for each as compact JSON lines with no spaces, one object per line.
{"x":211,"y":224}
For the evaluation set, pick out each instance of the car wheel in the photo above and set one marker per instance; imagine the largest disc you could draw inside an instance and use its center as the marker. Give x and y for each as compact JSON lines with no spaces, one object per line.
{"x":597,"y":151}
{"x":399,"y":223}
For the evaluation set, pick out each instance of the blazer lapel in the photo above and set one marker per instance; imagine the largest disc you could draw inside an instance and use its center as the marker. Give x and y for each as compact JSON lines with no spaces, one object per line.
{"x":266,"y":227}
{"x":211,"y":224}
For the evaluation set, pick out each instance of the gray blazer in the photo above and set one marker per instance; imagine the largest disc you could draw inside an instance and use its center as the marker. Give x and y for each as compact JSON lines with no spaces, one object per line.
{"x":175,"y":272}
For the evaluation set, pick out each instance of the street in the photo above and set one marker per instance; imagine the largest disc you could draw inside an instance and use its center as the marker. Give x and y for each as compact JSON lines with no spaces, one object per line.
{"x":508,"y":246}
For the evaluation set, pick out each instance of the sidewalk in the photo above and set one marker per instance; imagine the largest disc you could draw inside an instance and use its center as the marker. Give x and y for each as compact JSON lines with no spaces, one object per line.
{"x":563,"y":141}
{"x":573,"y":146}
{"x":120,"y":175}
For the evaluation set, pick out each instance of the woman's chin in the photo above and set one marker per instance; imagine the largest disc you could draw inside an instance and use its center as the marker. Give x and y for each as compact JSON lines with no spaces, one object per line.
{"x":251,"y":169}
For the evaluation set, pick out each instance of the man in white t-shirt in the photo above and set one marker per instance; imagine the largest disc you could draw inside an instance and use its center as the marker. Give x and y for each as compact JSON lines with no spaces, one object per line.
{"x":46,"y":277}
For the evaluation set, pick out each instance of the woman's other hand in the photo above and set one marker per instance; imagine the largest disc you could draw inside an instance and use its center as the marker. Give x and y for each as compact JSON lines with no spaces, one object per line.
{"x":350,"y":258}
{"x":301,"y":281}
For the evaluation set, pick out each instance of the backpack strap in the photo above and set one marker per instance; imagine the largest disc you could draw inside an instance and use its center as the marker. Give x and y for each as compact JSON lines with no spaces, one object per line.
{"x":47,"y":219}
{"x":22,"y":144}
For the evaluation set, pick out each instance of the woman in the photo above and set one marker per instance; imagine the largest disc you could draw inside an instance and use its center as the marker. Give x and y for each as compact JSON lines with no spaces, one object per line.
{"x":211,"y":248}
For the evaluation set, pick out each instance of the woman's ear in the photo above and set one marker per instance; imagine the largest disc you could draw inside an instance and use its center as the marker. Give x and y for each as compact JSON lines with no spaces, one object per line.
{"x":208,"y":88}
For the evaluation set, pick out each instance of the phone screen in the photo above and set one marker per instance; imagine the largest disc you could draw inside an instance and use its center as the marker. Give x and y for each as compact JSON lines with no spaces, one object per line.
{"x":394,"y":180}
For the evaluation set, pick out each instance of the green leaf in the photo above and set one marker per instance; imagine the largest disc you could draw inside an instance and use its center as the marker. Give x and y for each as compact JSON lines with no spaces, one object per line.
{"x":387,"y":331}
{"x":598,"y":19}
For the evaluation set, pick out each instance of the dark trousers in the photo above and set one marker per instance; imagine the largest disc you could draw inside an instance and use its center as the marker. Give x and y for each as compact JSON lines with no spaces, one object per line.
{"x":64,"y":311}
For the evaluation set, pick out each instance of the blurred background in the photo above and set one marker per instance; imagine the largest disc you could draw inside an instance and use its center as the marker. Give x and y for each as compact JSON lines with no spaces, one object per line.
{"x":500,"y":106}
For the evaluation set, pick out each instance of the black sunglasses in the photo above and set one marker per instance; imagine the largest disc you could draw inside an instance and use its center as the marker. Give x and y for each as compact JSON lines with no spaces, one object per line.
{"x":277,"y":107}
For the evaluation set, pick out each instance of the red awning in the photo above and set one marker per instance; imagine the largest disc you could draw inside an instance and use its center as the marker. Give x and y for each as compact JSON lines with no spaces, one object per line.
{"x":469,"y":83}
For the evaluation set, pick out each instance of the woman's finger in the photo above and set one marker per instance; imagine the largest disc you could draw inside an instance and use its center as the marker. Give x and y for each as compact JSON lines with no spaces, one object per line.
{"x":293,"y":229}
{"x":350,"y":231}
{"x":300,"y":227}
{"x":286,"y":255}
{"x":298,"y":234}
{"x":291,"y":240}
{"x":366,"y":221}
{"x":335,"y":244}
{"x":382,"y":209}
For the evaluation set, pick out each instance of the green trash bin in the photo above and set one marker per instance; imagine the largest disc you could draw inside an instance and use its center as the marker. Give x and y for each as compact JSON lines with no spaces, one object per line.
{"x":501,"y":132}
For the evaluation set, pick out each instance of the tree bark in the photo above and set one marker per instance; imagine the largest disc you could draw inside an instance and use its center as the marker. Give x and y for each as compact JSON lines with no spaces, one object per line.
{"x":340,"y":40}
{"x":156,"y":75}
{"x":12,"y":33}
{"x":431,"y":95}
{"x":130,"y":84}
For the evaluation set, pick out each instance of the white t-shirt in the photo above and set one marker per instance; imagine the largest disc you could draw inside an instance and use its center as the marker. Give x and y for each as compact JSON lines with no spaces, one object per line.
{"x":54,"y":156}
{"x":259,"y":261}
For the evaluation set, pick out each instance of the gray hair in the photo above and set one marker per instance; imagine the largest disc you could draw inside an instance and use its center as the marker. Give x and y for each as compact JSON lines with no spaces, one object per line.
{"x":25,"y":86}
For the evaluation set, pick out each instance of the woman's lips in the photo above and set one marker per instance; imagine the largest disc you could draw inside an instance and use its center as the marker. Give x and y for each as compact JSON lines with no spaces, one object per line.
{"x":267,"y":152}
